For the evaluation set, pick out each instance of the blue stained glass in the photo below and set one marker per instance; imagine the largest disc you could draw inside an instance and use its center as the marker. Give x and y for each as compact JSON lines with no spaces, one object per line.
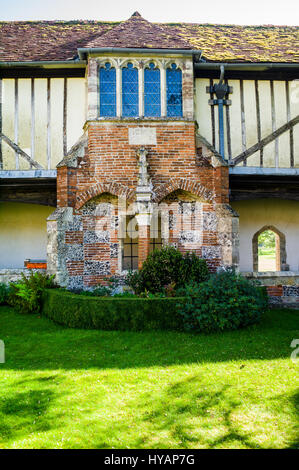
{"x":152,"y":91}
{"x":130,"y":106}
{"x":107,"y":91}
{"x":174,"y":91}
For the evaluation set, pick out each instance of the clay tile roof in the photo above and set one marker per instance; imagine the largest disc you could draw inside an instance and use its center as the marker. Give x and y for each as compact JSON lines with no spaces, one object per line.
{"x":59,"y":40}
{"x":47,"y":40}
{"x":137,"y":32}
{"x":236,"y":43}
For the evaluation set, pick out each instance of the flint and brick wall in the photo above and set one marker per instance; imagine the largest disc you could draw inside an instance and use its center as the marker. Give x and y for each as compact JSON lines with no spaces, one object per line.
{"x":109,"y":165}
{"x":282,"y":287}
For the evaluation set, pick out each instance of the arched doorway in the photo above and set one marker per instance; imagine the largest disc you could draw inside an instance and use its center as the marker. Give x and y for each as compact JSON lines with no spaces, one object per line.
{"x":269,"y":250}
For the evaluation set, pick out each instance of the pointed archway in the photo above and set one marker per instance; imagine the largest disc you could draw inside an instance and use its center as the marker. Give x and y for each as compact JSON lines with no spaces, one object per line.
{"x":280,"y":248}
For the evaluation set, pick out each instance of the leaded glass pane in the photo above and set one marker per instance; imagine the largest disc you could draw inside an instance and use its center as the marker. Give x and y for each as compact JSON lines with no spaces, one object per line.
{"x":130,"y":247}
{"x":107,"y":91}
{"x":130,"y":91}
{"x":174,"y":91}
{"x":152,"y":91}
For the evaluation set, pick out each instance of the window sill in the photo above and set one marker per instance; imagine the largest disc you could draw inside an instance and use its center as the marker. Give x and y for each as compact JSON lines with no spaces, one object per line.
{"x":141,"y":119}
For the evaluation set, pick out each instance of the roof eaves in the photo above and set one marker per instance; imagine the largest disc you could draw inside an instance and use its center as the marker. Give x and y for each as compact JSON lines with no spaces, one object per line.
{"x":83,"y":52}
{"x":74,"y":63}
{"x":246,"y":65}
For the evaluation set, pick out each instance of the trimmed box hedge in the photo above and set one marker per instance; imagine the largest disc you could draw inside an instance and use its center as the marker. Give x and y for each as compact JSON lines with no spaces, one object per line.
{"x":111,"y":313}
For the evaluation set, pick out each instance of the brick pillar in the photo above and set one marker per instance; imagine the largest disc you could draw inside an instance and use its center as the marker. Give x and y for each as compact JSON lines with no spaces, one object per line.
{"x":66,"y":186}
{"x":221,"y":184}
{"x":62,"y":189}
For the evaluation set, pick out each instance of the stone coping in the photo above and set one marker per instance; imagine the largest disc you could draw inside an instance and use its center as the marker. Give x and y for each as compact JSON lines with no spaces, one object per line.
{"x":265,"y":274}
{"x":18,"y":270}
{"x":8,"y":275}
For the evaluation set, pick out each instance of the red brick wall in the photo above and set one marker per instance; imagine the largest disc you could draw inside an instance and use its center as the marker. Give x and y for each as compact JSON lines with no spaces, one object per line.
{"x":110,"y":165}
{"x":111,"y":158}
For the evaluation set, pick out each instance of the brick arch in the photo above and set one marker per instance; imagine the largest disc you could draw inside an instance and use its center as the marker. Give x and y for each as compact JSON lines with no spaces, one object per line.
{"x":281,"y":256}
{"x":117,"y":189}
{"x":194,"y":187}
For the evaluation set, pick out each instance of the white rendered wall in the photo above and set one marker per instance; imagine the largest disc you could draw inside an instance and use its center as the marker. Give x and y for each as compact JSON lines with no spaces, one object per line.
{"x":272,"y":116}
{"x":23,"y":233}
{"x":282,"y":214}
{"x":35,"y":124}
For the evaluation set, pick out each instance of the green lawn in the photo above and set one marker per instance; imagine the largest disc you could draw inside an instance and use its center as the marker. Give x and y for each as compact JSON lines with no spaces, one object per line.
{"x":66,"y":388}
{"x":267,"y":252}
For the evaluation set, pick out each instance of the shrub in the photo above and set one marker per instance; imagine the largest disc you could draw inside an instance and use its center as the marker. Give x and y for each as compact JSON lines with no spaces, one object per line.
{"x":194,"y":269}
{"x":167,"y":267}
{"x":225,"y":301}
{"x":25,"y":296}
{"x":4,"y":291}
{"x":111,"y":313}
{"x":99,"y":291}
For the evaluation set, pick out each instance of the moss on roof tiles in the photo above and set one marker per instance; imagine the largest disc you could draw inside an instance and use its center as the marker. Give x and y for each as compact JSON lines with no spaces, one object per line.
{"x":59,"y":40}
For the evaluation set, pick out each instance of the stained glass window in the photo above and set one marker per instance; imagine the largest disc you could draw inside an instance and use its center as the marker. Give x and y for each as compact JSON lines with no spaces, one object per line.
{"x":152,"y":91}
{"x":130,"y":91}
{"x":107,"y":91}
{"x":174,"y":91}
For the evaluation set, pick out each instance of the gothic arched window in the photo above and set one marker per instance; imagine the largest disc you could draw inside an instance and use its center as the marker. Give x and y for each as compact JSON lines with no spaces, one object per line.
{"x":174,"y":91}
{"x":130,"y":106}
{"x":152,"y":91}
{"x":107,"y":91}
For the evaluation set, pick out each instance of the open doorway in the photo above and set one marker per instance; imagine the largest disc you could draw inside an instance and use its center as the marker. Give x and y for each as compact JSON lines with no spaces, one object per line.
{"x":269,"y":250}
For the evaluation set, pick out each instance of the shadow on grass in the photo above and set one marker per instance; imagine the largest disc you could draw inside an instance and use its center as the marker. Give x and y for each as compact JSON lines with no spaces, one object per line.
{"x":195,"y":414}
{"x":192,"y":410}
{"x":26,"y":412}
{"x":196,"y":411}
{"x":294,"y":444}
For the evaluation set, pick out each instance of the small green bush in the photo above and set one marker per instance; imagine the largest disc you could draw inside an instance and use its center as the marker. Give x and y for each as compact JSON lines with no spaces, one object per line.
{"x":25,"y":296}
{"x":167,"y":267}
{"x":4,"y":291}
{"x":99,"y":291}
{"x":226,"y":301}
{"x":111,"y":313}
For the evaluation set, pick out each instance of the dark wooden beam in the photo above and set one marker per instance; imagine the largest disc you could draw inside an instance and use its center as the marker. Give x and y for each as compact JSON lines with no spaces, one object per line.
{"x":1,"y":156}
{"x":20,"y":152}
{"x":32,"y":72}
{"x":258,"y":119}
{"x":287,"y":89}
{"x":30,"y":191}
{"x":281,"y":74}
{"x":212,"y":117}
{"x":248,"y":187}
{"x":267,"y":140}
{"x":64,"y":116}
{"x":228,"y":131}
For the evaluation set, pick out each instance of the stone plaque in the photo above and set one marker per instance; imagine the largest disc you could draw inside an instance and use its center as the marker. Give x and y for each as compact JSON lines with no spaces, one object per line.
{"x":142,"y":136}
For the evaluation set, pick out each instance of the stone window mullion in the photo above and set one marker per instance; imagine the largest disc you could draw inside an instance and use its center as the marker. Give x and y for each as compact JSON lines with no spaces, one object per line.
{"x":141,"y":90}
{"x":118,"y":91}
{"x":163,"y":90}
